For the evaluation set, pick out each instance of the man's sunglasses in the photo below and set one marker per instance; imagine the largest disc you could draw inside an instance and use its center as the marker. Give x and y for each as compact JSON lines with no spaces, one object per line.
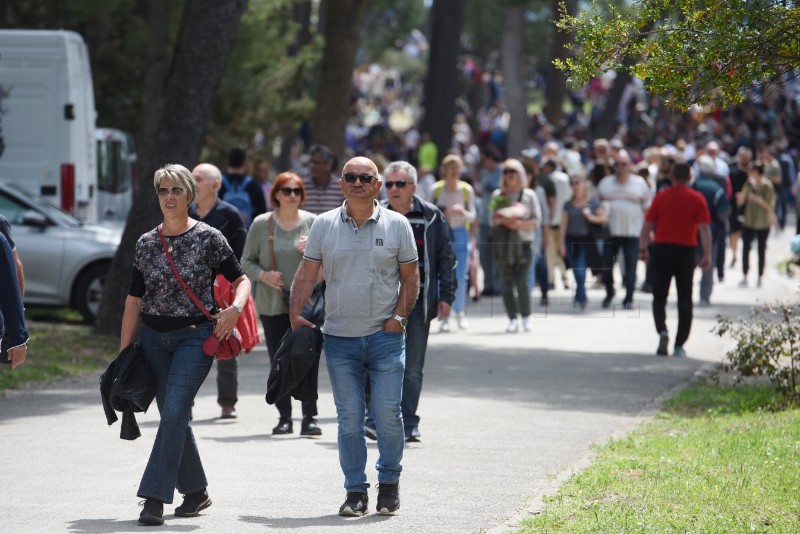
{"x":351,"y":178}
{"x":289,"y":190}
{"x":176,"y":191}
{"x":400,"y":184}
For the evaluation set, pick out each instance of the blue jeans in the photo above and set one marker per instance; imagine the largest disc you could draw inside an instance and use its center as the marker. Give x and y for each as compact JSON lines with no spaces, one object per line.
{"x":630,"y":249}
{"x":577,"y":252}
{"x":461,"y":251}
{"x":416,"y":346}
{"x":381,"y":356}
{"x":180,"y":368}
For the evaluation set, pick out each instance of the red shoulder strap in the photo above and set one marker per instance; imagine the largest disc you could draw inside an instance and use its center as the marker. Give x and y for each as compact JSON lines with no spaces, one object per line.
{"x":177,"y":274}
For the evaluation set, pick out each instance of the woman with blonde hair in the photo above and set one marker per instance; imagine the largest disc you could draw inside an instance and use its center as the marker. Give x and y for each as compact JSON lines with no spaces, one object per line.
{"x":514,"y":214}
{"x":456,"y":199}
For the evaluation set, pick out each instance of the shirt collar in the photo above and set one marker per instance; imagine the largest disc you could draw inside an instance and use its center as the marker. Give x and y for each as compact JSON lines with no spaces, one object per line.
{"x":376,"y":211}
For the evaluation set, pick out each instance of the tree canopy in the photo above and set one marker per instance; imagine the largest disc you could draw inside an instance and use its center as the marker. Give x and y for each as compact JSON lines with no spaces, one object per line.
{"x":691,"y":51}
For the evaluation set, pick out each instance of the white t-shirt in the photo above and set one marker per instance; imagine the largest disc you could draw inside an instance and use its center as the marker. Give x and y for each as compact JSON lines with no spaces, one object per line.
{"x":625,"y":215}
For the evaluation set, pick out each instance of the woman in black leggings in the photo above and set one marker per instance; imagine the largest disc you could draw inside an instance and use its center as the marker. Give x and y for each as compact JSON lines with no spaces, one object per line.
{"x":758,"y":199}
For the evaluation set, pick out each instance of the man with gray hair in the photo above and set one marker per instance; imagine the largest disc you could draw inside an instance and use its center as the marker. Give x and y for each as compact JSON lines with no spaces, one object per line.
{"x":437,"y":285}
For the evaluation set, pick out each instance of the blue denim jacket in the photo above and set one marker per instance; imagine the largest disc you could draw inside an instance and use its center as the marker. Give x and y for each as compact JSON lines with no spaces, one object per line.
{"x":12,"y":313}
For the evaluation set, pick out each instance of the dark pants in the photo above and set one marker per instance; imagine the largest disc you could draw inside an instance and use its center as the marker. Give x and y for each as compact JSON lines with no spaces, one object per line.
{"x":720,"y":234}
{"x":227,"y":382}
{"x":275,"y":326}
{"x":630,"y":249}
{"x":679,"y":262}
{"x":516,"y":278}
{"x":748,"y":234}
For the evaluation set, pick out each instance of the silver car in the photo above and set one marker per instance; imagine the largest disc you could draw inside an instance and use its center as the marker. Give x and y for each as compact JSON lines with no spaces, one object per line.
{"x":65,"y":261}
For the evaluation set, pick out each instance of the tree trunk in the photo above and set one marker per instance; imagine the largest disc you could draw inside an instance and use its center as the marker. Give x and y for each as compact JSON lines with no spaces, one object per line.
{"x":441,"y":85}
{"x":342,"y":37}
{"x":301,"y":15}
{"x":557,"y":80}
{"x":206,"y":36}
{"x":515,"y":100}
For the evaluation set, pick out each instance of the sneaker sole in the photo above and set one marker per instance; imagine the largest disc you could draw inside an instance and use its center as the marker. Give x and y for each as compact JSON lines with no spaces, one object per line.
{"x":151,"y":520}
{"x":386,"y":511}
{"x":202,"y":506}
{"x":349,"y":512}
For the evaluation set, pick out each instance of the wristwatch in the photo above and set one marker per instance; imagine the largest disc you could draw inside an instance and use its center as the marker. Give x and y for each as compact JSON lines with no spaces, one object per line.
{"x":238,"y":308}
{"x":400,"y":319}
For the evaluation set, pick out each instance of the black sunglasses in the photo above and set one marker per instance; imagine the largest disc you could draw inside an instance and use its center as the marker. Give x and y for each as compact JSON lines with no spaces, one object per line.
{"x":177,"y":191}
{"x":289,"y":190}
{"x":351,"y":178}
{"x":510,"y":171}
{"x":399,"y":183}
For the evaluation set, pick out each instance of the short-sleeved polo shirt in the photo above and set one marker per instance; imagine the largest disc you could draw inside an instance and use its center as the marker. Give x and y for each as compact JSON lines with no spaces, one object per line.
{"x":361,"y":267}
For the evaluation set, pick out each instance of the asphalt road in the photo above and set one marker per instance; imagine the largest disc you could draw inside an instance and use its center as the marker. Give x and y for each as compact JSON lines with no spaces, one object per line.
{"x":505,"y":417}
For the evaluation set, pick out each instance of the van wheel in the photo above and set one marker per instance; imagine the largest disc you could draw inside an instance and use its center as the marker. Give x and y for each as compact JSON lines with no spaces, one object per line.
{"x":89,"y":291}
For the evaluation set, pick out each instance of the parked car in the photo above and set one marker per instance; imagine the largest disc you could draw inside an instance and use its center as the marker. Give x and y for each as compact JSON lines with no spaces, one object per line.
{"x":65,"y":260}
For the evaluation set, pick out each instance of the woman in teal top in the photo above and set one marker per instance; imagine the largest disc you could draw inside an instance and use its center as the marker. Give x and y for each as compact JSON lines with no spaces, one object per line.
{"x":289,"y":227}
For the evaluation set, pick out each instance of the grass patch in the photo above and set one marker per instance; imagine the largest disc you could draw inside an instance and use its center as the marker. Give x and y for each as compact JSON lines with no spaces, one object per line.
{"x":717,"y":459}
{"x":58,"y":350}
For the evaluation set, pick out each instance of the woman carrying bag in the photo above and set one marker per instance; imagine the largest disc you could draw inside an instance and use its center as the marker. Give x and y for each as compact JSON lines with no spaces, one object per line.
{"x":272,"y":253}
{"x":172,"y":330}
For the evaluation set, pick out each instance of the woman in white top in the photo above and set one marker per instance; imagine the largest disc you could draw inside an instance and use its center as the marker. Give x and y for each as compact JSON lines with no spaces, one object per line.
{"x":456,"y":199}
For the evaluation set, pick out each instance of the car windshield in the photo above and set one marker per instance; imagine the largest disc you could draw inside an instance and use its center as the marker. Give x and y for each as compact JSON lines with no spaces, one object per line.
{"x":46,"y":208}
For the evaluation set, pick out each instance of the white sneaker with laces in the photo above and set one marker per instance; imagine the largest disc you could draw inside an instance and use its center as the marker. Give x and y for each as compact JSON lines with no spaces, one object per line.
{"x":461,"y":321}
{"x":513,"y":326}
{"x":526,"y":324}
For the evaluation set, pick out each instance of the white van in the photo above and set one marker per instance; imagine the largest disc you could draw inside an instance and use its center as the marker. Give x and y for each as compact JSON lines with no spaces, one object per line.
{"x":47,"y":118}
{"x":116,"y":175}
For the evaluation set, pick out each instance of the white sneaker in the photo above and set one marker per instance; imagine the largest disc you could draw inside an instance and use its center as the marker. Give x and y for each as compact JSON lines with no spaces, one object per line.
{"x":743,"y":283}
{"x":445,"y":326}
{"x":758,"y":284}
{"x":526,"y":324}
{"x":513,"y":326}
{"x":461,"y":321}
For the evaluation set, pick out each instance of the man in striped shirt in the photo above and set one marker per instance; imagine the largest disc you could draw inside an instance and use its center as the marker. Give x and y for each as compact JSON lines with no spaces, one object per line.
{"x":322,"y":188}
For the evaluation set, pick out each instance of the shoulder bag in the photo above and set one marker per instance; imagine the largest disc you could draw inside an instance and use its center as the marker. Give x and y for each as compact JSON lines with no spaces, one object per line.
{"x":227,"y":349}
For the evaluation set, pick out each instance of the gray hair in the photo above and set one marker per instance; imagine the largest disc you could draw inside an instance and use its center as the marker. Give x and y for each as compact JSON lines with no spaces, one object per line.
{"x":178,"y":174}
{"x":402,"y":166}
{"x":706,"y":166}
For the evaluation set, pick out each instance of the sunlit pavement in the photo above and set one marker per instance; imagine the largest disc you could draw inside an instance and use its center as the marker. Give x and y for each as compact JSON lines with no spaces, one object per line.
{"x":503,"y":416}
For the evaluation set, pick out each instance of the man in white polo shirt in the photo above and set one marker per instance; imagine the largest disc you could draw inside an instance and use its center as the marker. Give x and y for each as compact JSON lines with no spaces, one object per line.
{"x":369,"y":259}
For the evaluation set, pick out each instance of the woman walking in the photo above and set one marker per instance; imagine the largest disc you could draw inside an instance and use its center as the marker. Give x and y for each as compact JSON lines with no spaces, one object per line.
{"x":758,"y":199}
{"x":580,"y":214}
{"x":514,"y":213}
{"x":272,"y":253}
{"x":171,"y":329}
{"x":456,"y":199}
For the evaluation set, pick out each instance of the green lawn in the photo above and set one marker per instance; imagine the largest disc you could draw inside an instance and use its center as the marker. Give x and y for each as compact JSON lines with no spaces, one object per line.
{"x":717,"y":459}
{"x":60,"y":346}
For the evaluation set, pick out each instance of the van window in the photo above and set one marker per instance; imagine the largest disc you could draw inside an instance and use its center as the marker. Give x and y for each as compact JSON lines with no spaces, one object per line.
{"x":113,"y":168}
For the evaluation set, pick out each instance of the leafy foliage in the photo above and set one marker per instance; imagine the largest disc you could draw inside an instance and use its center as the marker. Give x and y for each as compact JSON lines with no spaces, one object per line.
{"x":767,"y":344}
{"x":690,"y":50}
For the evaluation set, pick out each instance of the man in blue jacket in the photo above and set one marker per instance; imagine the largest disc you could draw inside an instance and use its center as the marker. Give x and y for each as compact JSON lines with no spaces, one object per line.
{"x":13,"y":334}
{"x":437,"y":284}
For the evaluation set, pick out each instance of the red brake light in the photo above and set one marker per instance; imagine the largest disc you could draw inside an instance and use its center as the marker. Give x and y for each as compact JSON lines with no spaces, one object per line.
{"x":68,"y":187}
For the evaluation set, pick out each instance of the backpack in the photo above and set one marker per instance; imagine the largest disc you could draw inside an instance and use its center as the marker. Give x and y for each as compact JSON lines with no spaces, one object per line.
{"x":239,"y":198}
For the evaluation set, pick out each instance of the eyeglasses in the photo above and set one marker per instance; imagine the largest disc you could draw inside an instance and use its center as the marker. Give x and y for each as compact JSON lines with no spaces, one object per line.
{"x":351,"y":178}
{"x":576,"y":182}
{"x":399,"y":184}
{"x":176,"y":191}
{"x":510,"y":171}
{"x":289,"y":190}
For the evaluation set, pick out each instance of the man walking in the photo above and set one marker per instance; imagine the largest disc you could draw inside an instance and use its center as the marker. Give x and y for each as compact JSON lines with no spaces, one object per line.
{"x":240,"y":189}
{"x":677,"y":213}
{"x":628,"y":196}
{"x":369,"y":259}
{"x":437,"y":286}
{"x":719,"y":209}
{"x":322,"y":190}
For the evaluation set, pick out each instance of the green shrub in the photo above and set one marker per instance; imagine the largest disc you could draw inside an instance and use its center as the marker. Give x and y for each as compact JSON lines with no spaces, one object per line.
{"x":767,"y":344}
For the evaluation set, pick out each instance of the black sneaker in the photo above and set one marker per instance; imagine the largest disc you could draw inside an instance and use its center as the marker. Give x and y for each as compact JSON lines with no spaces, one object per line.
{"x":412,"y":435}
{"x":388,"y":498}
{"x":663,"y":341}
{"x":193,"y":503}
{"x":309,"y":427}
{"x":152,"y":513}
{"x":609,"y":297}
{"x":371,"y":432}
{"x":355,"y":505}
{"x":284,"y":427}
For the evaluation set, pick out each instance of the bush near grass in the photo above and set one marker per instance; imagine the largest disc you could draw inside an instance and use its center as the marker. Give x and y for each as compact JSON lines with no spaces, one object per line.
{"x":716,"y":460}
{"x":58,"y":350}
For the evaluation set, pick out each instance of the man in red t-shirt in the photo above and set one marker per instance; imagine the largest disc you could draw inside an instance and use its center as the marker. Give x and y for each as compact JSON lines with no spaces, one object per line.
{"x":677,"y":213}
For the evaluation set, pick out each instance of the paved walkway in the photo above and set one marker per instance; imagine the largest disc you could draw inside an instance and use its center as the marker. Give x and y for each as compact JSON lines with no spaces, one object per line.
{"x":502,"y":416}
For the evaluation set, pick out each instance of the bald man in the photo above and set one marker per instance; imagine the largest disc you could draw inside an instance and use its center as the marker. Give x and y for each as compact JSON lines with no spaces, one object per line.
{"x":369,"y":258}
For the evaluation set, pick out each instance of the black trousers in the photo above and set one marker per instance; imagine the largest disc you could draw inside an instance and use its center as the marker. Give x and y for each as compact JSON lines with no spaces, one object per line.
{"x":748,"y":234}
{"x":275,"y":326}
{"x":673,"y":261}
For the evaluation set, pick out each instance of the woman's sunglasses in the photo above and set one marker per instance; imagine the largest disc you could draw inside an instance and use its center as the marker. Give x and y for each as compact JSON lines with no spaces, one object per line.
{"x":289,"y":190}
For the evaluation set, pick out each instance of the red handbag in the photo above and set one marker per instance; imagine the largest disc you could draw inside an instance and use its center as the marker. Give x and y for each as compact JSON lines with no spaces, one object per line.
{"x":228,"y":348}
